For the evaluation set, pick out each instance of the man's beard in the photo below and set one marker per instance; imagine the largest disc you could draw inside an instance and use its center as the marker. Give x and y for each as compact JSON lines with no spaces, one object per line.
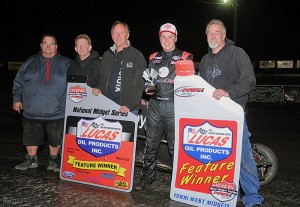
{"x":213,"y":44}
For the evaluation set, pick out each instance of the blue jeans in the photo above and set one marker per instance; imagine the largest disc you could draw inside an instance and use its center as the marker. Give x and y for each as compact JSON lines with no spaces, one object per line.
{"x":248,"y":174}
{"x":135,"y":112}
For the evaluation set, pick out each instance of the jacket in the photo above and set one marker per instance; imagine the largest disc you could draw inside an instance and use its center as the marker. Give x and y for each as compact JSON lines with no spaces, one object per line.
{"x":42,"y":100}
{"x":231,"y":70}
{"x":132,"y":82}
{"x":89,"y":66}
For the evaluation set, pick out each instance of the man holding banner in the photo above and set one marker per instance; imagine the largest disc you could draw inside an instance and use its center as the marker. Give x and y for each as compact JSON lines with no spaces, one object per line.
{"x":228,"y":69}
{"x":121,"y":71}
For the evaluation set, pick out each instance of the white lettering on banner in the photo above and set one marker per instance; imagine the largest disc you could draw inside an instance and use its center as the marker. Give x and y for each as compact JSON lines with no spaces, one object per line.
{"x":100,"y":134}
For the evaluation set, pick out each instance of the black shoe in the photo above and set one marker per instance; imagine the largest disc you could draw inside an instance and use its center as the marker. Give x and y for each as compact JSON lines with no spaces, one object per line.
{"x":143,"y":184}
{"x":30,"y":162}
{"x":256,"y":205}
{"x":54,"y":164}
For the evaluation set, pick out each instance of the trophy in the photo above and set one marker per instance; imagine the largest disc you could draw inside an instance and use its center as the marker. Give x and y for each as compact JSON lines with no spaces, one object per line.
{"x":150,"y":76}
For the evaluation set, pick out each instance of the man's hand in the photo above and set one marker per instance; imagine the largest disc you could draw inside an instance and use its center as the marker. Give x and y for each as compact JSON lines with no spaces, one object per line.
{"x":18,"y":106}
{"x":150,"y":90}
{"x":96,"y":91}
{"x":124,"y":109}
{"x":219,"y":93}
{"x":144,"y":102}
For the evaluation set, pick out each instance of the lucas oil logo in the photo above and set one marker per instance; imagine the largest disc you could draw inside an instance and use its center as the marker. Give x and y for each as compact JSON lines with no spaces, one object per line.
{"x":99,"y":137}
{"x":77,"y":93}
{"x":207,"y":143}
{"x":187,"y":91}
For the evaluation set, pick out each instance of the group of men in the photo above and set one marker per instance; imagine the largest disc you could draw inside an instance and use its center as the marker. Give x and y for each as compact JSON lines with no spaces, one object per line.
{"x":121,"y":74}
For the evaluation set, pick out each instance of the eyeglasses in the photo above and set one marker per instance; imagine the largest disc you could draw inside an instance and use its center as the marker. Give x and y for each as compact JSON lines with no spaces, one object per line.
{"x":48,"y":43}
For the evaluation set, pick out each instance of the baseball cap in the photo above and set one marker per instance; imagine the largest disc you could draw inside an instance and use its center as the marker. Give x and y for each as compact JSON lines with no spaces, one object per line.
{"x":168,"y":27}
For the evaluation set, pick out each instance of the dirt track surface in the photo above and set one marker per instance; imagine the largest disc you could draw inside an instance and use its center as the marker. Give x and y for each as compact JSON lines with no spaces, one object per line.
{"x":275,"y":127}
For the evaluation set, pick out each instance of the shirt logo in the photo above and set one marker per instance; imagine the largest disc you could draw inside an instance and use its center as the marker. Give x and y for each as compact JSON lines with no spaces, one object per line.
{"x":212,"y":73}
{"x":129,"y":65}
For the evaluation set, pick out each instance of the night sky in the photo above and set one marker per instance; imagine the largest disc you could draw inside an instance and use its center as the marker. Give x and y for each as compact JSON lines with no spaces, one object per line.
{"x":266,"y":30}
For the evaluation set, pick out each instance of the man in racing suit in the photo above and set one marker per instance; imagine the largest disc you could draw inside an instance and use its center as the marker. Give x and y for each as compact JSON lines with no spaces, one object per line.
{"x":160,"y":111}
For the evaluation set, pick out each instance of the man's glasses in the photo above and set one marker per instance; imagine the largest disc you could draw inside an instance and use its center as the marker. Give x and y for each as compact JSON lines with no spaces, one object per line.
{"x":48,"y":43}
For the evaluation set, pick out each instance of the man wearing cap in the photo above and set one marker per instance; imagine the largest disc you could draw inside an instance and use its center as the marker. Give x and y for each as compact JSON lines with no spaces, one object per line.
{"x":160,"y":111}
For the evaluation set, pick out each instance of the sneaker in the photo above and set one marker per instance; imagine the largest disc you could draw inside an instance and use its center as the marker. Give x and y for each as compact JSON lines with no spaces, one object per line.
{"x":143,"y":184}
{"x":30,"y":162}
{"x":54,"y":164}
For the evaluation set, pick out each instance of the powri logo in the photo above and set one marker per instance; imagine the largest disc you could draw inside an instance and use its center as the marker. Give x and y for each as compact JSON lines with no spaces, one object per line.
{"x":223,"y":191}
{"x":77,"y":93}
{"x":188,"y":91}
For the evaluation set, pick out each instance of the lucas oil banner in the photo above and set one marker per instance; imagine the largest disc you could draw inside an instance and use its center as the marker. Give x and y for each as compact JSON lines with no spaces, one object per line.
{"x":208,"y":142}
{"x":206,"y":162}
{"x":99,"y":141}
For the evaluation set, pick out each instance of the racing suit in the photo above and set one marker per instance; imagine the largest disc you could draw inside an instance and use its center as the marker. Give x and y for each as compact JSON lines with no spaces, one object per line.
{"x":160,"y":111}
